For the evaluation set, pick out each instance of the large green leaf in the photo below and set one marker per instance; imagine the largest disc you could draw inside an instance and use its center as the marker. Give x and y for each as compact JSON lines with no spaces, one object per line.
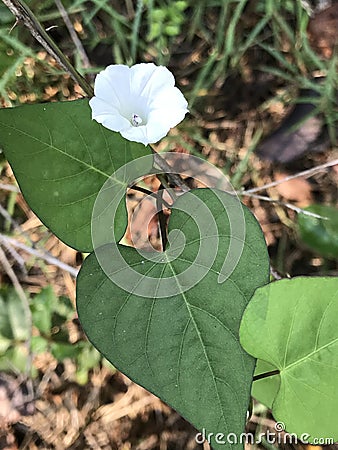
{"x":293,"y":326}
{"x":185,"y":347}
{"x":61,"y":159}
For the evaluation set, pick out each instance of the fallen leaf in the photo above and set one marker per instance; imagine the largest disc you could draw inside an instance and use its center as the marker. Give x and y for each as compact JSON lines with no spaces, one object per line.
{"x":322,"y":31}
{"x":297,"y":190}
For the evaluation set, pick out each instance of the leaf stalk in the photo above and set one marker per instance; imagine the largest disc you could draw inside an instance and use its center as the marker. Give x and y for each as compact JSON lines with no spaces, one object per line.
{"x":266,"y":375}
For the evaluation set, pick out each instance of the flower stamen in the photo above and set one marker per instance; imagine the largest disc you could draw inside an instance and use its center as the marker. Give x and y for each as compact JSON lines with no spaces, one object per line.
{"x":136,"y":120}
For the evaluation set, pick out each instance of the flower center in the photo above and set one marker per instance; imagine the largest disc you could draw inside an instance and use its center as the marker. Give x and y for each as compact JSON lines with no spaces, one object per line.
{"x":136,"y":120}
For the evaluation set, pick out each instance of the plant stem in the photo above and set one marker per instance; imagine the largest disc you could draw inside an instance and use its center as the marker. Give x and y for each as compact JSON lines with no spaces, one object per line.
{"x":141,"y":189}
{"x":25,"y":15}
{"x":174,"y":178}
{"x":147,"y":192}
{"x":266,"y":375}
{"x":161,"y":217}
{"x":164,"y":179}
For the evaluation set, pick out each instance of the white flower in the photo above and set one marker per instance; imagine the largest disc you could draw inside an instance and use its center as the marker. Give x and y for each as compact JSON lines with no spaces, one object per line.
{"x":141,"y":102}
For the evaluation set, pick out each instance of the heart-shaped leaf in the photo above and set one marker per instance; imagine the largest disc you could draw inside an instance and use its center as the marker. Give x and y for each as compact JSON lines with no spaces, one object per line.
{"x":183,"y":346}
{"x":293,"y":326}
{"x":61,"y":159}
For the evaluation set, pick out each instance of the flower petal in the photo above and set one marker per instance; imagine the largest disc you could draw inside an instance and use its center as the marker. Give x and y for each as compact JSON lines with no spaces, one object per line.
{"x":100,"y":107}
{"x":157,"y":131}
{"x":112,"y":84}
{"x":108,"y":115}
{"x":159,"y":126}
{"x":114,"y":123}
{"x":160,"y":122}
{"x":136,"y":134}
{"x":148,"y":80}
{"x":169,"y":98}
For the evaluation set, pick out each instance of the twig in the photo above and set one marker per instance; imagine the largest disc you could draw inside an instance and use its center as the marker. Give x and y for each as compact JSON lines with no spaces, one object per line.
{"x":5,"y":214}
{"x":25,"y":15}
{"x":275,"y":274}
{"x":263,"y":421}
{"x":39,"y":254}
{"x":305,"y":173}
{"x":287,"y":205}
{"x":25,"y":303}
{"x":9,"y":187}
{"x":307,"y":7}
{"x":10,"y":249}
{"x":73,"y":35}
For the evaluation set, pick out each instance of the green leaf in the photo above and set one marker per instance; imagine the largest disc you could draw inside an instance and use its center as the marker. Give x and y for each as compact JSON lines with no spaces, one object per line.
{"x":64,"y":350}
{"x":5,"y":343}
{"x":42,"y":306}
{"x":185,"y":347}
{"x":293,"y":326}
{"x":63,"y":310}
{"x":319,"y":234}
{"x":15,"y":359}
{"x":14,"y":313}
{"x":87,"y":359}
{"x":61,"y":159}
{"x":5,"y":325}
{"x":5,"y":59}
{"x":39,"y":344}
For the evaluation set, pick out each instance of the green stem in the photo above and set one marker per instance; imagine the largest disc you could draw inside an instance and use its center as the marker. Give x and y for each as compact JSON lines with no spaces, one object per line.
{"x":266,"y":375}
{"x":25,"y":15}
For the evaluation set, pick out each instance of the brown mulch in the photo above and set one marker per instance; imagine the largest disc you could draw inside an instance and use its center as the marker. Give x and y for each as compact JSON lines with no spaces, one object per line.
{"x":110,"y":412}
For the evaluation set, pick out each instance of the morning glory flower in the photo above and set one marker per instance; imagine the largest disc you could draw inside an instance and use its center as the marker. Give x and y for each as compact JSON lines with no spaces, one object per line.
{"x":140,"y":102}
